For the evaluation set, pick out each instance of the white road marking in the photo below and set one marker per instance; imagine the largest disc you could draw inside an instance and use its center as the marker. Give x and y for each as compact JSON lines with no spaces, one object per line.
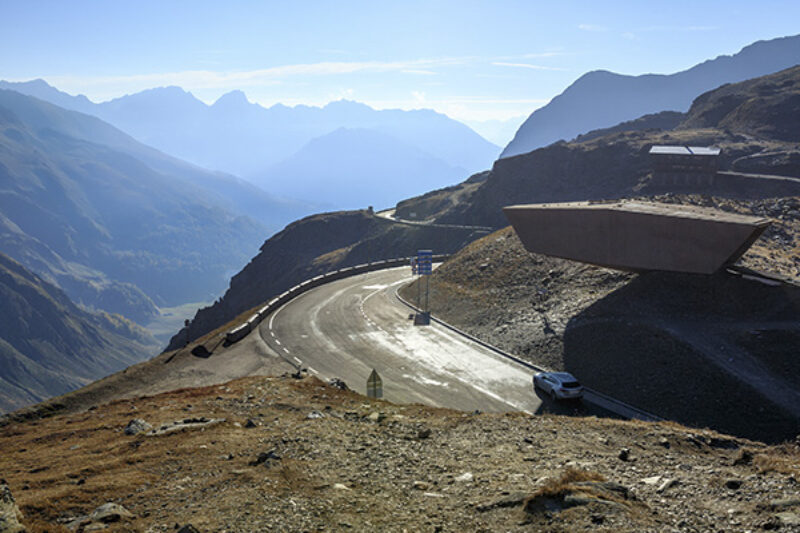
{"x":272,"y":333}
{"x":426,"y":381}
{"x":277,"y":342}
{"x":439,"y":370}
{"x":311,"y":369}
{"x":285,"y":349}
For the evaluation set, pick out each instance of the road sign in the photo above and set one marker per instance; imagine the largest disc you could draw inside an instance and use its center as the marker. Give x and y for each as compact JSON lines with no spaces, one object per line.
{"x":413,"y":266}
{"x":425,"y":262}
{"x":374,"y":385}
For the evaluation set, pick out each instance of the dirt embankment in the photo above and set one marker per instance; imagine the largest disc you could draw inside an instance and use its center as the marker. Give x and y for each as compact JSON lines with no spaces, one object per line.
{"x":715,"y":351}
{"x":279,"y":454}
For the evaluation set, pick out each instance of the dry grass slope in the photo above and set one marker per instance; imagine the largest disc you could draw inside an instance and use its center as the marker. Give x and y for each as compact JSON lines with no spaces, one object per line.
{"x":313,"y":457}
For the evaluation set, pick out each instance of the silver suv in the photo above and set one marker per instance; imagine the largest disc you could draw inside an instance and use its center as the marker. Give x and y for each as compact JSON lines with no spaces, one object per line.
{"x":559,"y":385}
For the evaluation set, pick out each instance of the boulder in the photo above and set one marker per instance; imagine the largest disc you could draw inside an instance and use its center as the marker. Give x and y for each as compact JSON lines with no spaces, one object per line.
{"x":136,"y":426}
{"x":10,"y":515}
{"x":110,"y":512}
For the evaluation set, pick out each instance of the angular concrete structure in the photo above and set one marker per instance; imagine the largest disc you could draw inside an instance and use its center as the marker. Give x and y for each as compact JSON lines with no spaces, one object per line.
{"x":636,"y":236}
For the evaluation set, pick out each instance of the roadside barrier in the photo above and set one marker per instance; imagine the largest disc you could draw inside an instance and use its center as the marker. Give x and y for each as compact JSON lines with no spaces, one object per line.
{"x":605,"y":401}
{"x":242,"y":330}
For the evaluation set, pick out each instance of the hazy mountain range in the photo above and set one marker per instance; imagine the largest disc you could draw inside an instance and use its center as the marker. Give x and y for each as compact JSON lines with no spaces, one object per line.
{"x":116,"y":224}
{"x":600,"y":99}
{"x":497,"y":131}
{"x":350,"y":166}
{"x":253,"y":142}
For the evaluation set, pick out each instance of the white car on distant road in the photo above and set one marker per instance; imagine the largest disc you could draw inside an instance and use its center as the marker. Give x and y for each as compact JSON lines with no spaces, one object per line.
{"x":559,"y":385}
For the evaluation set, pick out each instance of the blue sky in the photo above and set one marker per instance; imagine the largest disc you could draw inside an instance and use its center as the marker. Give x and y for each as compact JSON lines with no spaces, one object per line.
{"x":473,"y":60}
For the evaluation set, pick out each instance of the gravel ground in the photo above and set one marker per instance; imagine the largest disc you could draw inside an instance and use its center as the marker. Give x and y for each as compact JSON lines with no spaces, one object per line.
{"x":298,"y":455}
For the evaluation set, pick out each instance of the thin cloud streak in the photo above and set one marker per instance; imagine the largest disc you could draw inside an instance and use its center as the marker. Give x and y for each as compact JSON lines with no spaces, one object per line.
{"x":526,"y":65}
{"x":591,"y":27}
{"x":676,"y":28}
{"x":544,"y":54}
{"x":210,"y":79}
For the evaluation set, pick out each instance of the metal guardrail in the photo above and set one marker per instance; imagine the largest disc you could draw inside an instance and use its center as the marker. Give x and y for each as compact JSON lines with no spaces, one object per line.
{"x":242,"y":330}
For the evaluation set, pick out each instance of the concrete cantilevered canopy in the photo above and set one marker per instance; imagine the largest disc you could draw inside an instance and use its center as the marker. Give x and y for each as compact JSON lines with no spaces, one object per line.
{"x":636,"y":236}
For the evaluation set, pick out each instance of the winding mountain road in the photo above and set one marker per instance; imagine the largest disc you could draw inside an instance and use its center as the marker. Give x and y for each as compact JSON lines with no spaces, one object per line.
{"x":348,"y":327}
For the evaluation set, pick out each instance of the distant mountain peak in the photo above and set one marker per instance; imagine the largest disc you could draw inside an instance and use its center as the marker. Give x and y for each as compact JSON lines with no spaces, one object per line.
{"x":349,"y":105}
{"x":232,"y":99}
{"x":39,"y":88}
{"x":170,"y":92}
{"x":39,"y":82}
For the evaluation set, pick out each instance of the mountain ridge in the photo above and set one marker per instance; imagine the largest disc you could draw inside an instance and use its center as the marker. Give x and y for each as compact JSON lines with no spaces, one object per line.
{"x":600,"y":98}
{"x":246,"y":139}
{"x":49,"y":346}
{"x":95,"y":218}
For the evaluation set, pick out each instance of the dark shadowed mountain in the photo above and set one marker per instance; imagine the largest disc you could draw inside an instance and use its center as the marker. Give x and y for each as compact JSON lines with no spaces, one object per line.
{"x":246,"y":139}
{"x":767,"y":107}
{"x":114,"y":223}
{"x":600,"y":99}
{"x":49,"y":346}
{"x":353,"y":168}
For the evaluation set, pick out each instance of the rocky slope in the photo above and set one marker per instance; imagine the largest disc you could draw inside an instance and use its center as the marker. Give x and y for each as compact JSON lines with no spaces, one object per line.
{"x":657,"y":340}
{"x":767,"y":107}
{"x":48,"y":346}
{"x":280,"y":454}
{"x":601,"y":99}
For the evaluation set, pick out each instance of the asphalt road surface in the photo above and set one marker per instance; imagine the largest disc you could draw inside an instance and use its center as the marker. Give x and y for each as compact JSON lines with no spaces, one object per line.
{"x":348,"y":327}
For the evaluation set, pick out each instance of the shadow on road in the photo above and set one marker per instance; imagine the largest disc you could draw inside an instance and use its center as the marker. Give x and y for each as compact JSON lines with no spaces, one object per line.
{"x":570,"y":407}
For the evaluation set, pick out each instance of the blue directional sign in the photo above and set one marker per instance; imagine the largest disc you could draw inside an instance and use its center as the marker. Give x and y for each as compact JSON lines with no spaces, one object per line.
{"x":424,"y":262}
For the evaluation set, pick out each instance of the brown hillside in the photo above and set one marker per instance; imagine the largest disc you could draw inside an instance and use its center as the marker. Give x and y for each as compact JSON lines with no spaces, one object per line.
{"x":279,"y":454}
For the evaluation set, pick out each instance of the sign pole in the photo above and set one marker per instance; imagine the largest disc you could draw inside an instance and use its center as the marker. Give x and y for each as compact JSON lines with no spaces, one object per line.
{"x":424,"y":269}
